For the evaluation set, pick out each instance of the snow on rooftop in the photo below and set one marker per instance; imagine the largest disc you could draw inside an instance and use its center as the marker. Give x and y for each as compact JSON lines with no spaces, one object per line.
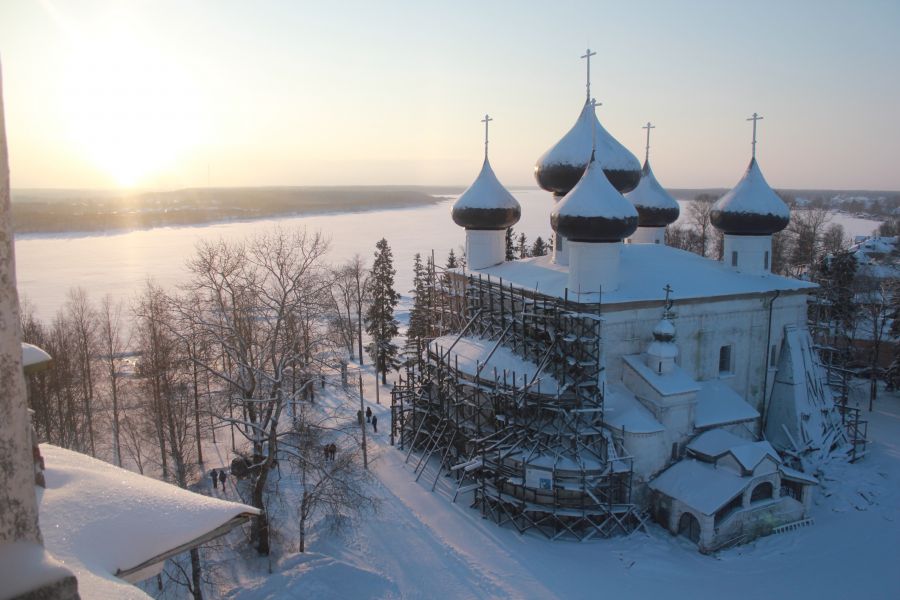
{"x":700,"y":485}
{"x":99,"y":519}
{"x":622,"y":410}
{"x":650,"y":194}
{"x":486,"y":192}
{"x":676,"y":381}
{"x":32,"y":355}
{"x":715,"y":443}
{"x":25,"y":567}
{"x":470,"y":352}
{"x":575,"y":146}
{"x":750,"y":454}
{"x":753,"y":195}
{"x":644,"y":270}
{"x":718,"y":404}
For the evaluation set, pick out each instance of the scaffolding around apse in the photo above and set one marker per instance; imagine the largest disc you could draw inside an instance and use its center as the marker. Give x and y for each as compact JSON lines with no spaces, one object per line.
{"x":524,"y":443}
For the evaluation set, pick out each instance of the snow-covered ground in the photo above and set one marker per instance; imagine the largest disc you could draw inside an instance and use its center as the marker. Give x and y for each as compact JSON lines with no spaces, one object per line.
{"x":421,"y":545}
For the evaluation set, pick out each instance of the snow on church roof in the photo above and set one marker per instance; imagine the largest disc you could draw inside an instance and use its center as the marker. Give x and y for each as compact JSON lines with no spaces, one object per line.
{"x":560,"y":167}
{"x":718,"y":404}
{"x":99,"y":519}
{"x":486,"y":204}
{"x":751,"y":207}
{"x":655,"y":206}
{"x":644,"y":270}
{"x":622,"y":410}
{"x":700,"y":485}
{"x":470,"y":352}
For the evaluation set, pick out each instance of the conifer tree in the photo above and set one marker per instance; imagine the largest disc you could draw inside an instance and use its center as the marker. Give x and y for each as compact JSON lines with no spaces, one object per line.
{"x":451,"y":260}
{"x":381,"y":325}
{"x":418,"y":316}
{"x":510,"y":247}
{"x":522,"y":246}
{"x":539,"y":248}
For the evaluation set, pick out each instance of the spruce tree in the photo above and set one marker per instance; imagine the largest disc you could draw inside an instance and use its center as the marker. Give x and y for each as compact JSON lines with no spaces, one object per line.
{"x":510,"y":247}
{"x":451,"y":260}
{"x":539,"y":248}
{"x":418,"y":316}
{"x":381,"y":325}
{"x":522,"y":246}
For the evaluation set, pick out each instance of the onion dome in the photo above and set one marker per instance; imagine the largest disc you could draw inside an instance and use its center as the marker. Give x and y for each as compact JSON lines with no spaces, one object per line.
{"x":561,"y":167}
{"x":655,"y":206}
{"x":486,"y":204}
{"x":751,"y":207}
{"x":594,"y":211}
{"x":664,"y":331}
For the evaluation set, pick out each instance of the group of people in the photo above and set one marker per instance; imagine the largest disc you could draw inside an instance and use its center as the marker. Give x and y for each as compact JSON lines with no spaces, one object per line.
{"x":330,"y":452}
{"x":370,"y":418}
{"x":218,"y":476}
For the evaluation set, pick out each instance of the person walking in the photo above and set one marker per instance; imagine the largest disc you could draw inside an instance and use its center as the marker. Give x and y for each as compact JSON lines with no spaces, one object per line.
{"x":375,"y":423}
{"x":368,"y":414}
{"x":222,"y":476}
{"x":214,"y":475}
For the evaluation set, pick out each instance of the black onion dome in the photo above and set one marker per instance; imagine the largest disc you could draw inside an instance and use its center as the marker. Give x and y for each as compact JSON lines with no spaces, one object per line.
{"x":594,"y":211}
{"x":751,"y":207}
{"x":486,"y":204}
{"x":655,"y":206}
{"x":561,"y":167}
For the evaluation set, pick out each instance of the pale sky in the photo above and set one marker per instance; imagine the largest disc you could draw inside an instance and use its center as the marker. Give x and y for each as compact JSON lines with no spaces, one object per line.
{"x":164,"y":94}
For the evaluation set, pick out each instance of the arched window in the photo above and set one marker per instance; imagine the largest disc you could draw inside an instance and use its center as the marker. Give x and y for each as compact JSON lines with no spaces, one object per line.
{"x":763,"y":491}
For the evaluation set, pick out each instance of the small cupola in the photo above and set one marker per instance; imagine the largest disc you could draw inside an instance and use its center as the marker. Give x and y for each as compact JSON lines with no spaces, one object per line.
{"x":748,"y":215}
{"x":655,"y":206}
{"x":486,"y":209}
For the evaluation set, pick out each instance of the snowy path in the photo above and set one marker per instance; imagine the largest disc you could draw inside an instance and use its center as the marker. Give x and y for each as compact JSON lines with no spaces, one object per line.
{"x":420,"y":545}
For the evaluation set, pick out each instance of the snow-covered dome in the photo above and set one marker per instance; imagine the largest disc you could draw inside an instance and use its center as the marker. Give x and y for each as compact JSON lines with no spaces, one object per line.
{"x":751,"y":207}
{"x":594,"y":211}
{"x":486,"y":204}
{"x":664,"y":331}
{"x":561,"y":167}
{"x":655,"y":206}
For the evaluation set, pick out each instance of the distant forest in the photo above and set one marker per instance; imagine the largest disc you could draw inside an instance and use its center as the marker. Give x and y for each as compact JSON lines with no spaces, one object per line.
{"x":52,"y":211}
{"x":57,"y":211}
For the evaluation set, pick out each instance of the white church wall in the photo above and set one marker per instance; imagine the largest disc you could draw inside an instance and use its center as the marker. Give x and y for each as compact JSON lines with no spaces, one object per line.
{"x":703,"y":327}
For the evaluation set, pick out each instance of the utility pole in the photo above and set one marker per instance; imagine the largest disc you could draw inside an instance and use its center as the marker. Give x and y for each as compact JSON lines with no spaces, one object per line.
{"x":377,"y":363}
{"x":362,"y":420}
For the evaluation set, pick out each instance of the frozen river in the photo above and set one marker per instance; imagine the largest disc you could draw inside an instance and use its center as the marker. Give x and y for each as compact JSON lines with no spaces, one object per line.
{"x":119,"y":263}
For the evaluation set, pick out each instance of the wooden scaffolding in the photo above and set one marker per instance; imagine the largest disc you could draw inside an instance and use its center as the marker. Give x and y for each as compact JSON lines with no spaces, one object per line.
{"x":526,"y":453}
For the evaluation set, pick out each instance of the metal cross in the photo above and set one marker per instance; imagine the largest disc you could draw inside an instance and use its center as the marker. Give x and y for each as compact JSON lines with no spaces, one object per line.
{"x":754,"y":118}
{"x":669,"y":302}
{"x":594,"y":104}
{"x":588,"y":54}
{"x":486,"y":120}
{"x":648,"y":127}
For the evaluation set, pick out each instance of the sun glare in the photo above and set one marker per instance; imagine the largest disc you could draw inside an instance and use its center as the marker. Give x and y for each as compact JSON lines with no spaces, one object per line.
{"x":132,"y":112}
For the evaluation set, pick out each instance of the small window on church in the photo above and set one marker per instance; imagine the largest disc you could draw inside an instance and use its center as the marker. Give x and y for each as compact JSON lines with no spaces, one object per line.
{"x":733,"y":258}
{"x":724,"y":360}
{"x":766,"y":260}
{"x":773,"y":355}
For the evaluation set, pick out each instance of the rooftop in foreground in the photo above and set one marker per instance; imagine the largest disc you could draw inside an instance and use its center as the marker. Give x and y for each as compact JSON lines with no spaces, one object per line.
{"x":644,"y":271}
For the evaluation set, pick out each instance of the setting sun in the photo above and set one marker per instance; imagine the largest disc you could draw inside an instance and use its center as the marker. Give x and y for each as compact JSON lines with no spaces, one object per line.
{"x":131,"y":111}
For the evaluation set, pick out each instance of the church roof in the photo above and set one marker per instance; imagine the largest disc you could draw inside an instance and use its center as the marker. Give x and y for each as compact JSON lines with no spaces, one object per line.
{"x":561,"y":167}
{"x":655,"y":206}
{"x":751,"y":207}
{"x":103,"y":521}
{"x":644,"y":270}
{"x":718,"y":404}
{"x":700,"y":485}
{"x":594,"y":211}
{"x":486,"y":204}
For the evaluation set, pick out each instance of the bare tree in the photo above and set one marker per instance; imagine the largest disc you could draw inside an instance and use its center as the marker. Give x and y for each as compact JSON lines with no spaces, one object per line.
{"x":111,"y":340}
{"x":698,"y":214}
{"x":248,"y":299}
{"x":875,"y":297}
{"x":332,"y":485}
{"x":82,"y":318}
